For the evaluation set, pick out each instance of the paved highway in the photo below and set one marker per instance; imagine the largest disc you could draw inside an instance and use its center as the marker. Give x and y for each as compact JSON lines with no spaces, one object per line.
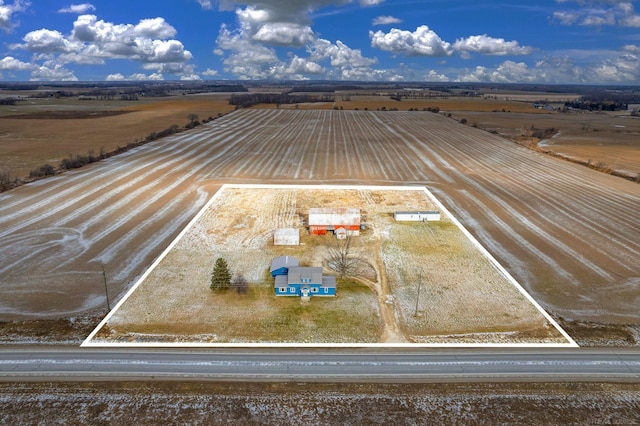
{"x":355,"y":365}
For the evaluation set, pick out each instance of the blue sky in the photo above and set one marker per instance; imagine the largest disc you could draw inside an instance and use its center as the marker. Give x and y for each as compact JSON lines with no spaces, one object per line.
{"x":546,"y":41}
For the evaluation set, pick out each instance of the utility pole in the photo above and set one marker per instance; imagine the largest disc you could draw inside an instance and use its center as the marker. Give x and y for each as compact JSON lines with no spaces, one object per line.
{"x":106,"y":289}
{"x":418,"y":296}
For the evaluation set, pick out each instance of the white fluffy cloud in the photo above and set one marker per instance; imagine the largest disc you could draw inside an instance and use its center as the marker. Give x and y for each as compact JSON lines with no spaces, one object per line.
{"x":52,"y":71}
{"x":210,"y":73}
{"x":622,"y":68}
{"x":485,"y":45}
{"x":249,"y":51}
{"x":284,"y":34}
{"x":249,"y":60}
{"x":265,"y":26}
{"x":94,"y":41}
{"x":436,"y":76}
{"x":507,"y":72}
{"x":385,"y":20}
{"x":88,"y":28}
{"x":625,"y":68}
{"x":598,"y":13}
{"x":631,"y":48}
{"x":48,"y":41}
{"x":135,"y":77}
{"x":78,"y":9}
{"x":277,"y":11}
{"x":423,"y":42}
{"x":13,"y":64}
{"x":371,"y":2}
{"x":116,"y":77}
{"x":8,"y":10}
{"x":206,"y":4}
{"x":301,"y":67}
{"x":346,"y":63}
{"x":340,"y":55}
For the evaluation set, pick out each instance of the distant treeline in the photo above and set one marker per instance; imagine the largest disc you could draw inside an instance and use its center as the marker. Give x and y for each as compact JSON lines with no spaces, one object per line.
{"x":324,"y":88}
{"x":121,"y":90}
{"x":250,"y":99}
{"x":619,"y":96}
{"x":7,"y":101}
{"x":597,"y":105}
{"x":606,"y":100}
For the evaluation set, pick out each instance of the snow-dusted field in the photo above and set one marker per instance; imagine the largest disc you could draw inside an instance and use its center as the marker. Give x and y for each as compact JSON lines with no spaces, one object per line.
{"x":205,"y":403}
{"x":465,"y":297}
{"x":568,"y":234}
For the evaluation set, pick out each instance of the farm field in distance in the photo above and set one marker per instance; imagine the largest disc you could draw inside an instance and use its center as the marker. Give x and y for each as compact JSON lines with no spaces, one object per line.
{"x":609,"y":141}
{"x":52,"y":132}
{"x":464,"y":298}
{"x":606,"y":139}
{"x":570,"y":235}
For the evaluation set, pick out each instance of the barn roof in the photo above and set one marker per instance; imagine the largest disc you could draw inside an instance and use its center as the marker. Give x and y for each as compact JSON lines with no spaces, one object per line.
{"x":334,"y":216}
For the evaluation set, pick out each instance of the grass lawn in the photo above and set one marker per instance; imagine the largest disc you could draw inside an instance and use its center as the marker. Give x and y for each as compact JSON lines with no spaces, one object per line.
{"x":261,"y":317}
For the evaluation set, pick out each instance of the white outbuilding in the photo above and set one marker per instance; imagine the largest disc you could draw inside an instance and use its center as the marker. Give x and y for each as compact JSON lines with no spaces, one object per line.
{"x":417,"y":216}
{"x":286,"y":237}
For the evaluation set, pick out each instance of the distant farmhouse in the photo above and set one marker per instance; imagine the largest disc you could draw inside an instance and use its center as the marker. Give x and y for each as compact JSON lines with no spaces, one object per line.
{"x":342,"y":222}
{"x":417,"y":216}
{"x":294,"y":280}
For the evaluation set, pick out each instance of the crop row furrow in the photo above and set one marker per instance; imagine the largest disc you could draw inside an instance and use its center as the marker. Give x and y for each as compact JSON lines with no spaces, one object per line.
{"x":73,"y":182}
{"x":569,"y":208}
{"x":174,"y":152}
{"x":524,"y":217}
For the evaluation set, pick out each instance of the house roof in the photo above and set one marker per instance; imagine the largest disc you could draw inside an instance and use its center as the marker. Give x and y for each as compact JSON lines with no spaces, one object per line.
{"x":300,"y":273}
{"x":282,"y":281}
{"x":328,"y":281}
{"x":284,"y":262}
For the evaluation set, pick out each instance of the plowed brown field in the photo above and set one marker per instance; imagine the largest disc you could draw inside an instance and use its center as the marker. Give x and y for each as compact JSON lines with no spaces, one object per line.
{"x":608,"y":140}
{"x":568,"y":234}
{"x":28,"y":144}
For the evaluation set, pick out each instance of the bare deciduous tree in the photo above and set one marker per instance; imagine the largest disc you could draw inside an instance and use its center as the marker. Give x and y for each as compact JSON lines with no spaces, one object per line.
{"x":240,"y":284}
{"x":344,"y":256}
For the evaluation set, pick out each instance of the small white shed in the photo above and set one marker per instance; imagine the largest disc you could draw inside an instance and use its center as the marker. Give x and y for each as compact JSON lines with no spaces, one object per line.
{"x":286,"y":237}
{"x":417,"y":216}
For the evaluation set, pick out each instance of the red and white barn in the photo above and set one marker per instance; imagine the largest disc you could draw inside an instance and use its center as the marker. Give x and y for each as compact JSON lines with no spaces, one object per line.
{"x":341,"y":221}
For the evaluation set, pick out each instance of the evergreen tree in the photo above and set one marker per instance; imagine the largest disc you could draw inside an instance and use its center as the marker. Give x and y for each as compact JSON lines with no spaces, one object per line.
{"x":221,"y":276}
